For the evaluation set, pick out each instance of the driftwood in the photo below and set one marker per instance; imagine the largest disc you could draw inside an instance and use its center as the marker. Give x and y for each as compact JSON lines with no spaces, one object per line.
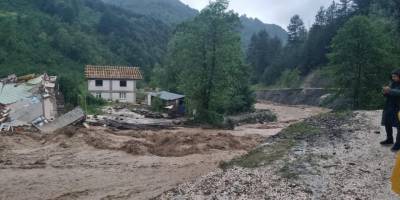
{"x":259,"y":116}
{"x":130,"y":126}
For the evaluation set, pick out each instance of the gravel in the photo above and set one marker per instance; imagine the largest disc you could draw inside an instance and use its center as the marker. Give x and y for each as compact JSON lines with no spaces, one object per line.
{"x":343,"y":161}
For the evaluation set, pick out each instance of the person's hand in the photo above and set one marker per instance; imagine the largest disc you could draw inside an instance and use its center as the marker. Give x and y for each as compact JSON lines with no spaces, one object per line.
{"x":386,"y":90}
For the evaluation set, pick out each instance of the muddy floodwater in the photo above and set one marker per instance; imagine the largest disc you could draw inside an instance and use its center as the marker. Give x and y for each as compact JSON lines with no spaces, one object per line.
{"x":98,"y":163}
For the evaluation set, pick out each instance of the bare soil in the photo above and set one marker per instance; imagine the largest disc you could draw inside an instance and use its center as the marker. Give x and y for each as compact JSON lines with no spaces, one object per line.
{"x":99,"y":163}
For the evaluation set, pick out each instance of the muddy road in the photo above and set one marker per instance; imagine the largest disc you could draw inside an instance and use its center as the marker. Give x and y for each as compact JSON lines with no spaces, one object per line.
{"x":98,"y":163}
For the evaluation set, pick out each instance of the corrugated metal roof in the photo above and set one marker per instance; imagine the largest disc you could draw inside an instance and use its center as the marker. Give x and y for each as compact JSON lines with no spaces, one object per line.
{"x":168,"y":96}
{"x":24,"y":111}
{"x":113,"y":72}
{"x":11,"y":93}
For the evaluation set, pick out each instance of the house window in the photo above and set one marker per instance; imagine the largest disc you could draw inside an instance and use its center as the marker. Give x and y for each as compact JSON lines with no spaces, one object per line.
{"x":99,"y":83}
{"x":122,"y":83}
{"x":98,"y":95}
{"x":122,"y":95}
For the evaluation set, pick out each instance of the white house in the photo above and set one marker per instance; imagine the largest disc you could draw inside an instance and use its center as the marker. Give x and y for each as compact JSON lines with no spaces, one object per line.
{"x":114,"y":83}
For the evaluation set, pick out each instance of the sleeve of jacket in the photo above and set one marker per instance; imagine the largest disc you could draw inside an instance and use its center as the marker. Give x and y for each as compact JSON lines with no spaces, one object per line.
{"x":394,"y":92}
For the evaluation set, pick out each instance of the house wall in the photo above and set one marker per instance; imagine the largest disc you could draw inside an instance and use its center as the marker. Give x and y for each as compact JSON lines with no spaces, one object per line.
{"x":130,"y":86}
{"x":49,"y":108}
{"x":111,"y":90}
{"x":92,"y":85}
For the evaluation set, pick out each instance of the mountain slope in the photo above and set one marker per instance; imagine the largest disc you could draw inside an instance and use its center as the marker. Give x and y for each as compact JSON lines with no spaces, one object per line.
{"x":174,"y":12}
{"x":66,"y":34}
{"x":169,"y":11}
{"x":254,"y":25}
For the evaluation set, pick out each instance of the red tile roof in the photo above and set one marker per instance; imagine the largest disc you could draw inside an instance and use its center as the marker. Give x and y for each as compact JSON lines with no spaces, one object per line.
{"x":113,"y":72}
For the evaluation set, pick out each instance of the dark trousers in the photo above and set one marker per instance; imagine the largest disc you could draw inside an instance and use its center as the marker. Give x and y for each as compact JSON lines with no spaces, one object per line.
{"x":389,"y":133}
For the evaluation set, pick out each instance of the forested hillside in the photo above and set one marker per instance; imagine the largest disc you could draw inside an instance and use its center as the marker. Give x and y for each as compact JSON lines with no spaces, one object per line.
{"x":61,"y":36}
{"x":353,"y":43}
{"x":174,"y":12}
{"x":251,"y":26}
{"x":169,"y":11}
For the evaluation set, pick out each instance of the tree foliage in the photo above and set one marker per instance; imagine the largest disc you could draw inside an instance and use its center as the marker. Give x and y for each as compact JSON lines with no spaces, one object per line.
{"x":362,"y":59}
{"x":62,"y":36}
{"x":262,"y":52}
{"x":205,"y":62}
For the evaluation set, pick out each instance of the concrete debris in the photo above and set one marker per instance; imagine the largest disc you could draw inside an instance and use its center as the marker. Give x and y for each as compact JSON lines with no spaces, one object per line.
{"x":149,"y":114}
{"x":124,"y":118}
{"x":124,"y":122}
{"x":4,"y":113}
{"x":69,"y":118}
{"x":6,"y":127}
{"x":28,"y":99}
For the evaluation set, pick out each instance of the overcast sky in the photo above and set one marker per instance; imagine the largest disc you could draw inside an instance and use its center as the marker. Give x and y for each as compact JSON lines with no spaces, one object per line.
{"x":272,"y":11}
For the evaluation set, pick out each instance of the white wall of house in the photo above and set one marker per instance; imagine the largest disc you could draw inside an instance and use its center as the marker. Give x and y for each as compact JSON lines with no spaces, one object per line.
{"x":92,"y":85}
{"x":130,"y":86}
{"x":112,"y":90}
{"x":49,"y":108}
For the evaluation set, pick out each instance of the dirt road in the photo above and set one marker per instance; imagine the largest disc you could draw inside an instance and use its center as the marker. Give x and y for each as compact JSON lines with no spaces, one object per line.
{"x":102,"y":164}
{"x":333,"y":156}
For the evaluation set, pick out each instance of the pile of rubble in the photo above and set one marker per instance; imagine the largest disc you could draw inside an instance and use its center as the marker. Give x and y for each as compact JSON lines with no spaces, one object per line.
{"x":124,"y":118}
{"x":4,"y":113}
{"x":28,"y":101}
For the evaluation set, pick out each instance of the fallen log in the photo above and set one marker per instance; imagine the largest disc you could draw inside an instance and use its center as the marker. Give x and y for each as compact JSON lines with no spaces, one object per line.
{"x":133,"y":126}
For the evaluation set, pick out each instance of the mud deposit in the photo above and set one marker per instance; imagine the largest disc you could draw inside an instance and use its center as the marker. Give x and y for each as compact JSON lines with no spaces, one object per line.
{"x":99,"y":163}
{"x":333,"y":156}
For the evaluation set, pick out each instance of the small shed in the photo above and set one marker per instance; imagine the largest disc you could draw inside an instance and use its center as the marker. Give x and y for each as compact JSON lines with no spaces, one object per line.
{"x":170,"y":100}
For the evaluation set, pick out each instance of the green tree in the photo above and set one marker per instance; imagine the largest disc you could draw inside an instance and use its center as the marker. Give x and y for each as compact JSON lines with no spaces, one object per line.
{"x":297,"y":31}
{"x":361,"y":58}
{"x":211,"y":70}
{"x":261,"y":53}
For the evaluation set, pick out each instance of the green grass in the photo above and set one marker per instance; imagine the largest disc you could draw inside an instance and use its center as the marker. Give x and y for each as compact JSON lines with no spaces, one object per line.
{"x":276,"y":150}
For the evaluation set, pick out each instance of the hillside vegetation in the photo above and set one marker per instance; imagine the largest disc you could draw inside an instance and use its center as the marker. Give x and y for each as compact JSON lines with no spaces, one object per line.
{"x":352,"y":43}
{"x":175,"y":12}
{"x":169,"y":11}
{"x":61,"y":36}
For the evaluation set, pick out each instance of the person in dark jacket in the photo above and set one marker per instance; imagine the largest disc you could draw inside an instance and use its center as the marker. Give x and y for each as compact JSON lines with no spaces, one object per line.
{"x":390,"y":117}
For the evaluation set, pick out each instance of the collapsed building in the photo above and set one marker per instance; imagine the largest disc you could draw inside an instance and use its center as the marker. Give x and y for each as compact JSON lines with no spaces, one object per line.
{"x":28,"y":99}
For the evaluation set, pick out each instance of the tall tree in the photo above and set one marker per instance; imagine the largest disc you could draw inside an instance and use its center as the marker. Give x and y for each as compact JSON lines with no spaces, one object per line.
{"x":261,"y":53}
{"x":345,"y":7}
{"x":361,"y":56}
{"x":320,"y":18}
{"x":210,"y":67}
{"x":363,"y":6}
{"x":297,"y":31}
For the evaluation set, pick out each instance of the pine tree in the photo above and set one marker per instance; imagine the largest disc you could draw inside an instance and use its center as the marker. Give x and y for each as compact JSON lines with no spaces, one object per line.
{"x":320,"y":18}
{"x":261,"y":53}
{"x":297,"y":32}
{"x":344,"y":7}
{"x":362,"y":60}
